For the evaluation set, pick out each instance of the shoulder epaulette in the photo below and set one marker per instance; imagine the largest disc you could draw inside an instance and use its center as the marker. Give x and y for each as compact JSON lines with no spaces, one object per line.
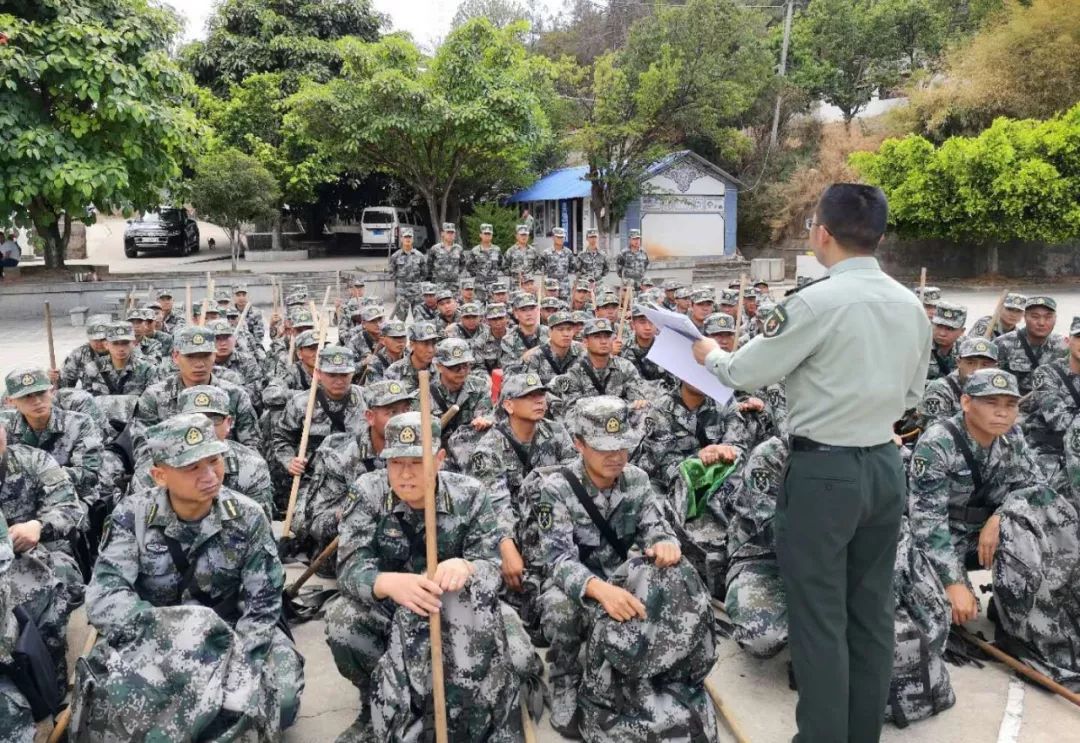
{"x":151,"y":514}
{"x":797,"y":289}
{"x":230,"y":508}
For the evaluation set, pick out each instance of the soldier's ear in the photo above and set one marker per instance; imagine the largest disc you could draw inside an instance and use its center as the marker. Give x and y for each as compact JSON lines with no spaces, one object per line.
{"x":440,"y":457}
{"x":158,"y":473}
{"x":579,"y":444}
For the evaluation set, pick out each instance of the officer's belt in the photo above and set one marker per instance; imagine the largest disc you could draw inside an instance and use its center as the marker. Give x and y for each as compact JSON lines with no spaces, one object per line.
{"x":801,"y":443}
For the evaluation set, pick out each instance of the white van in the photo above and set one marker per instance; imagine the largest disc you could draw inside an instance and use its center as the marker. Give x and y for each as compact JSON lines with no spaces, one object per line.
{"x":380,"y":227}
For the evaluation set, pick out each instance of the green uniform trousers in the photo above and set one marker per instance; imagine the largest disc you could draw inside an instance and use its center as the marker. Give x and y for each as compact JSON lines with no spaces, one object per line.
{"x":837,"y":525}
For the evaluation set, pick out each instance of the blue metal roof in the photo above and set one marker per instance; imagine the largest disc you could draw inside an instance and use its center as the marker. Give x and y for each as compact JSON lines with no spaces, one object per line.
{"x":566,"y":183}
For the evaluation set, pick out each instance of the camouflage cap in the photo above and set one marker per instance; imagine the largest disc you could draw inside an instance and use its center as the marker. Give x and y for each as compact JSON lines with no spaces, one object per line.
{"x":551,"y":303}
{"x":637,"y":310}
{"x":671,"y":285}
{"x":154,"y":305}
{"x":931,"y":295}
{"x":987,"y":382}
{"x":302,"y":319}
{"x":372,"y":313}
{"x":423,"y":331}
{"x":454,"y":352}
{"x":499,"y":285}
{"x":975,"y":347}
{"x":135,"y":313}
{"x":299,"y":289}
{"x":551,"y":283}
{"x":393,"y":329}
{"x":729,"y":297}
{"x":404,"y":436}
{"x":523,"y":300}
{"x":719,"y":322}
{"x":164,"y":294}
{"x":596,"y":325}
{"x":495,"y":311}
{"x":683,"y":292}
{"x":239,"y":289}
{"x":1074,"y":329}
{"x":358,"y":282}
{"x":371,"y":301}
{"x":426,"y":287}
{"x":26,"y":381}
{"x":1041,"y":301}
{"x":406,"y":232}
{"x":222,"y":295}
{"x":519,"y":385}
{"x":950,"y":315}
{"x":468,"y":283}
{"x":337,"y":360}
{"x":592,"y":232}
{"x":204,"y":398}
{"x":606,"y":299}
{"x":307,"y":339}
{"x":231,"y":311}
{"x":765,"y":306}
{"x":703,"y":296}
{"x":295,"y":299}
{"x":633,"y":233}
{"x":558,"y":232}
{"x":352,"y":308}
{"x":582,"y":285}
{"x":522,"y":229}
{"x":647,"y":281}
{"x":560,"y":317}
{"x":119,"y":331}
{"x":749,"y":293}
{"x":183,"y":439}
{"x":386,"y":392}
{"x":486,"y":228}
{"x":220,"y":328}
{"x":192,"y":339}
{"x":734,"y":284}
{"x":97,"y":327}
{"x":212,"y":310}
{"x":471,"y":309}
{"x":603,"y":422}
{"x":448,"y":227}
{"x":1014,"y":301}
{"x":443,"y":294}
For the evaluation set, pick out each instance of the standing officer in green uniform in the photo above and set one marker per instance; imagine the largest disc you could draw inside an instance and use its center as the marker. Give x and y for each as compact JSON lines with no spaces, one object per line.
{"x":838,"y":516}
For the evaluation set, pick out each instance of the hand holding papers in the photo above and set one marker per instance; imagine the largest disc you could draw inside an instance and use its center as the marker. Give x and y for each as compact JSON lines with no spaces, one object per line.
{"x":673,"y":351}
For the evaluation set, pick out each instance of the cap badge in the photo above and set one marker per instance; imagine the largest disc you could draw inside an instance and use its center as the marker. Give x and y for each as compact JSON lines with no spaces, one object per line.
{"x":194,"y":436}
{"x":28,"y":379}
{"x":202,"y":400}
{"x":1000,"y":382}
{"x":407,"y":436}
{"x":338,"y":359}
{"x":198,"y":339}
{"x":395,"y":388}
{"x":458,"y":352}
{"x":613,"y":425}
{"x":532,"y":380}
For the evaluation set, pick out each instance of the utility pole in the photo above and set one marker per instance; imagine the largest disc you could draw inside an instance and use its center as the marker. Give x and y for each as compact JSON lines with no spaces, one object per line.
{"x":783,"y":71}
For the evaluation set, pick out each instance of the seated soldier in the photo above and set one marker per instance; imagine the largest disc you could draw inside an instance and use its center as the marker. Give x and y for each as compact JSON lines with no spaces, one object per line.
{"x":637,"y":350}
{"x":1068,"y":482}
{"x":598,"y":372}
{"x":277,"y":360}
{"x":1012,"y":312}
{"x":392,"y":335}
{"x":364,"y":337}
{"x":245,"y":471}
{"x":385,"y":598}
{"x":43,"y":513}
{"x":84,"y":357}
{"x":122,"y":371}
{"x":70,"y":438}
{"x":1022,"y":351}
{"x":228,"y":356}
{"x":589,"y":515}
{"x":456,"y":383}
{"x":555,"y":357}
{"x":420,"y":356}
{"x":1054,"y":404}
{"x":942,"y":396}
{"x":343,"y":457}
{"x":528,"y":334}
{"x":448,"y":313}
{"x":428,"y":308}
{"x":963,"y":470}
{"x":193,"y":354}
{"x":703,"y":304}
{"x":948,"y":323}
{"x":294,"y":377}
{"x":16,"y":719}
{"x":186,"y":596}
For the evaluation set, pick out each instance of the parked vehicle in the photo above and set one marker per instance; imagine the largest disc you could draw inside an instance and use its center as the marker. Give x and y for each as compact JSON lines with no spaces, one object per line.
{"x":380,"y":227}
{"x":161,"y":230}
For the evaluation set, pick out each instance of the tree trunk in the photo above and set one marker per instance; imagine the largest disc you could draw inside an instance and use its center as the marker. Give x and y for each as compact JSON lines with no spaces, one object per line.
{"x":55,"y":240}
{"x":433,"y":214}
{"x":234,"y":246}
{"x":992,"y":258}
{"x":275,"y":231}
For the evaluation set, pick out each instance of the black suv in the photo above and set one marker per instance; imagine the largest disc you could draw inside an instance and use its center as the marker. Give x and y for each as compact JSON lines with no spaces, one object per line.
{"x":161,"y":230}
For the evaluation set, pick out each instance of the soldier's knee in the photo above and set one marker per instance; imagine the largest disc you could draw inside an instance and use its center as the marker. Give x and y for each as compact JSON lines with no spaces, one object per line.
{"x":560,"y":616}
{"x":356,"y":636}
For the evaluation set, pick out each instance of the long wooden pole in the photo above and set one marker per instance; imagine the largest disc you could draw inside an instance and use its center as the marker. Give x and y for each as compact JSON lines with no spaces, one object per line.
{"x":187,"y":303}
{"x":996,"y":317}
{"x":286,"y":529}
{"x":922,"y":284}
{"x":431,"y":544}
{"x":322,"y":557}
{"x":1021,"y":668}
{"x":49,"y":333}
{"x":624,"y":305}
{"x":725,"y":713}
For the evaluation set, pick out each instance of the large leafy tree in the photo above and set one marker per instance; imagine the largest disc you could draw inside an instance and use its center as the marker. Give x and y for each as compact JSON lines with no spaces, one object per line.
{"x":466,"y":118}
{"x":92,"y":111}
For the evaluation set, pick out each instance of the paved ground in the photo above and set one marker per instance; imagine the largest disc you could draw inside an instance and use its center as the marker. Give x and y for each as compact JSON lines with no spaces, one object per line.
{"x":755,"y":691}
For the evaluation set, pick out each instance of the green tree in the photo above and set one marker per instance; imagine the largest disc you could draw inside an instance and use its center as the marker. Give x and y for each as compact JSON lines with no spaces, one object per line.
{"x":231,"y":188}
{"x":92,"y":111}
{"x":466,"y":118}
{"x":918,"y":29}
{"x":503,"y":221}
{"x":1017,"y":180}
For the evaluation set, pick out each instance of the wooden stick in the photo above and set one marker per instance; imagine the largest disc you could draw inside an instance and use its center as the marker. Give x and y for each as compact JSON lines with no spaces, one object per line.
{"x":448,"y":416}
{"x":49,"y":334}
{"x":130,"y":299}
{"x":922,"y":283}
{"x":205,"y":309}
{"x":64,"y":719}
{"x":1021,"y":668}
{"x":187,"y":302}
{"x":624,"y":303}
{"x":209,"y":285}
{"x":739,"y":310}
{"x":326,"y":299}
{"x":322,"y":557}
{"x":540,"y":288}
{"x":725,"y":714}
{"x":286,"y":529}
{"x":432,"y":558}
{"x":243,"y":317}
{"x":996,"y":317}
{"x":526,"y":721}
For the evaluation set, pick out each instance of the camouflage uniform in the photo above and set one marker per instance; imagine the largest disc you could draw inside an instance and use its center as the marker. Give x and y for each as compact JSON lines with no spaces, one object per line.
{"x":618,"y":377}
{"x":376,"y":644}
{"x":632,"y":265}
{"x":574,"y":552}
{"x":944,"y":363}
{"x":1013,"y":349}
{"x":421,"y":310}
{"x":79,"y":361}
{"x":16,"y":720}
{"x":172,"y":322}
{"x":1068,"y":481}
{"x":946,"y":512}
{"x":558,"y":265}
{"x":150,"y":349}
{"x":518,"y":260}
{"x":78,"y":401}
{"x":942,"y":396}
{"x":476,"y":339}
{"x":161,"y":400}
{"x":1013,"y":301}
{"x":485,"y":265}
{"x":591,"y":264}
{"x":1055,"y":404}
{"x":101,"y":377}
{"x":649,"y":370}
{"x":253,"y":320}
{"x":406,"y":271}
{"x":446,"y":265}
{"x":170,"y":650}
{"x":515,"y":343}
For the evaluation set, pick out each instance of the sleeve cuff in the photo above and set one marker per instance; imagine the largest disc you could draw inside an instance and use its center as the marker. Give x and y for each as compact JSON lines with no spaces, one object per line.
{"x":715,"y":358}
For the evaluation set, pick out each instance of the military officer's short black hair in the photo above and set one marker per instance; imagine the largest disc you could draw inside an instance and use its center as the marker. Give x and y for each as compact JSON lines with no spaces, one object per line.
{"x":854,"y":214}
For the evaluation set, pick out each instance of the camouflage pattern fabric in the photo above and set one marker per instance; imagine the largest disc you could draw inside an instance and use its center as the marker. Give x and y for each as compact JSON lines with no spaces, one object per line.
{"x":1012,"y":357}
{"x":940,"y":400}
{"x":546,"y":363}
{"x":445,"y":265}
{"x":631,"y":266}
{"x":172,"y":322}
{"x":403,"y":370}
{"x":1068,"y":481}
{"x":518,"y":260}
{"x":942,"y":363}
{"x":80,"y":401}
{"x":161,"y":401}
{"x":76,"y":365}
{"x":515,"y":343}
{"x":73,"y":440}
{"x":618,"y":378}
{"x":15,"y":718}
{"x":150,"y":349}
{"x":249,"y":372}
{"x":485,"y":265}
{"x":407,"y":270}
{"x":102,"y":378}
{"x":285,"y":439}
{"x":982,"y":324}
{"x":650,"y":371}
{"x":1051,"y":410}
{"x":591,"y":264}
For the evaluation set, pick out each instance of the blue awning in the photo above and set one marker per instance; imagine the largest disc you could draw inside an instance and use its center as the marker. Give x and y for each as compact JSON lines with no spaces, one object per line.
{"x":566,"y":183}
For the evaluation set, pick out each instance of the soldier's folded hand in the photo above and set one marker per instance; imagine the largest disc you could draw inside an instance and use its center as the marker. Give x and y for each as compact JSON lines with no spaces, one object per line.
{"x":513,"y":567}
{"x":989,"y":536}
{"x":25,"y":536}
{"x":411,"y":590}
{"x":718,"y":452}
{"x":752,"y":404}
{"x":54,"y":376}
{"x":453,"y":574}
{"x":480,"y":423}
{"x":297,"y":466}
{"x":620,"y":604}
{"x":965,"y":606}
{"x":664,"y":554}
{"x":640,"y":404}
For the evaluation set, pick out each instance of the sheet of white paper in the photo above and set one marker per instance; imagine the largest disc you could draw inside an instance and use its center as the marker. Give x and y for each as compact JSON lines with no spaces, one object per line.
{"x":677,"y":321}
{"x":675,"y":352}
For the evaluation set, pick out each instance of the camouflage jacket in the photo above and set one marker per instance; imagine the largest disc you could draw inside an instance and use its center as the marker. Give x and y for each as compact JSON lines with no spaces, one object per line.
{"x":160,"y":401}
{"x":940,"y":400}
{"x":476,"y":339}
{"x":421,"y":311}
{"x":942,"y":364}
{"x":517,"y":261}
{"x":173,"y":322}
{"x":36,"y":488}
{"x":591,"y":264}
{"x":515,"y":344}
{"x":946,"y":514}
{"x":619,"y":378}
{"x":673,"y":432}
{"x":442,"y":323}
{"x":340,"y":459}
{"x":1013,"y":356}
{"x":1070,"y":488}
{"x":750,"y":532}
{"x":150,"y":349}
{"x":650,"y":371}
{"x":285,"y":438}
{"x":545,"y":364}
{"x":373,"y":368}
{"x":102,"y":378}
{"x":256,"y":325}
{"x":250,"y":373}
{"x":632,"y":265}
{"x":1053,"y":406}
{"x":445,"y":265}
{"x":404,"y":370}
{"x":474,"y":398}
{"x":8,"y":627}
{"x":978,"y":330}
{"x":379,"y":533}
{"x":407,"y":270}
{"x":570,"y":544}
{"x":360,"y":341}
{"x":79,"y":364}
{"x":488,"y":350}
{"x":233,"y":553}
{"x":166,"y":341}
{"x":484,"y":265}
{"x":279,"y":389}
{"x":80,"y":401}
{"x":73,"y":440}
{"x":557,"y":264}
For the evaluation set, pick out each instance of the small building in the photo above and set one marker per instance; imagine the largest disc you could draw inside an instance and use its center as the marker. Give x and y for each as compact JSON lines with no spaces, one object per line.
{"x":688,"y":207}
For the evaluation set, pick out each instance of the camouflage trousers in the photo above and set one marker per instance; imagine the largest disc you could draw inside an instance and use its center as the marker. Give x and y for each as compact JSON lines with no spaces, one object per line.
{"x":406,"y":295}
{"x":185,"y":676}
{"x":16,"y":721}
{"x":757,"y":606}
